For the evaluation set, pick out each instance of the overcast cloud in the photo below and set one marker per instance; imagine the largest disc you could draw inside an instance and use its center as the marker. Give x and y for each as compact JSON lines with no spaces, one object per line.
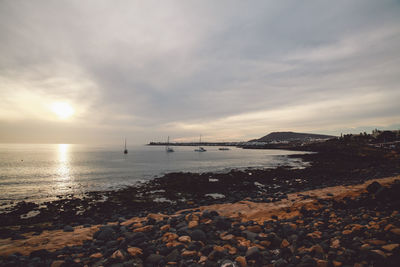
{"x":229,"y":70}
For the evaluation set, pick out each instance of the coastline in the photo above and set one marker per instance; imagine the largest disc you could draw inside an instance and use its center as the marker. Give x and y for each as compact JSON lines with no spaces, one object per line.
{"x":250,"y":197}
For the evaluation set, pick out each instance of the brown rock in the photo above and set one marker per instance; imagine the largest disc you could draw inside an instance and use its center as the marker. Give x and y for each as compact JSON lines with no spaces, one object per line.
{"x":168,"y":237}
{"x":357,"y":264}
{"x":231,"y":250}
{"x":57,"y":263}
{"x":227,"y":237}
{"x":242,"y":261}
{"x":165,"y":227}
{"x":146,"y":228}
{"x":380,"y":252}
{"x":193,"y":224}
{"x":395,"y":231}
{"x":347,"y":232}
{"x":285,"y":243}
{"x":185,"y":239}
{"x":376,"y":242}
{"x":219,"y":248}
{"x":97,"y":255}
{"x":202,"y":259}
{"x":390,"y":247}
{"x":322,"y":263}
{"x":337,"y":263}
{"x":134,"y":251}
{"x":118,"y":255}
{"x":317,"y":248}
{"x":254,"y":228}
{"x":315,"y":235}
{"x":335,"y":243}
{"x":173,"y":244}
{"x":189,"y":253}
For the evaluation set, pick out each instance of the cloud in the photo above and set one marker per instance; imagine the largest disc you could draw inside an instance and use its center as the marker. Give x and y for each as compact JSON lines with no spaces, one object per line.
{"x":227,"y":69}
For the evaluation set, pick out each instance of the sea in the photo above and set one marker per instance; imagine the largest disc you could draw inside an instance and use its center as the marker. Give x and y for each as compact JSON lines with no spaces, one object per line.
{"x":44,"y":172}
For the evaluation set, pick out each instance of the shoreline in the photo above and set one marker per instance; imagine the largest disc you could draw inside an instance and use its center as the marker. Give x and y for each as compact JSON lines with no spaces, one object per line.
{"x":291,"y":213}
{"x":178,"y":191}
{"x":203,"y":219}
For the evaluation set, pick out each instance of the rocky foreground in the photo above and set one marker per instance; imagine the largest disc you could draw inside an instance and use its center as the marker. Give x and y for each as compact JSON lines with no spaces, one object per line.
{"x":355,"y":225}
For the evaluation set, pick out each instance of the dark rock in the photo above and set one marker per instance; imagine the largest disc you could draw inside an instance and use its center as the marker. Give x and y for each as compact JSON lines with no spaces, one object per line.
{"x":68,"y":228}
{"x":105,"y":233}
{"x":281,"y":263}
{"x":373,"y":187}
{"x":222,"y":223}
{"x":173,"y":256}
{"x":253,"y":253}
{"x":198,"y":235}
{"x":155,"y":260}
{"x":42,"y":253}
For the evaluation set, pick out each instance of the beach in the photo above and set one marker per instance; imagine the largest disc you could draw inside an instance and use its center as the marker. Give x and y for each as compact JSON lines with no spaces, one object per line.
{"x":336,"y":212}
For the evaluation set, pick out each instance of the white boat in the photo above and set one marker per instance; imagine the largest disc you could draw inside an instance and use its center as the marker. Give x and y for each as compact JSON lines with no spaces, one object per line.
{"x":125,"y":150}
{"x":168,"y":148}
{"x":200,"y":149}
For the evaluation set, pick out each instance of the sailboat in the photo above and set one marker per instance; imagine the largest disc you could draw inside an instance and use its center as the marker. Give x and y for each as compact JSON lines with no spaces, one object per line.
{"x":125,"y":150}
{"x":200,"y":149}
{"x":168,"y":148}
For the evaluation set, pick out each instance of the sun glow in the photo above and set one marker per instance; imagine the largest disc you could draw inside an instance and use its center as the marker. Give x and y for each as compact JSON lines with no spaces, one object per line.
{"x":62,"y":110}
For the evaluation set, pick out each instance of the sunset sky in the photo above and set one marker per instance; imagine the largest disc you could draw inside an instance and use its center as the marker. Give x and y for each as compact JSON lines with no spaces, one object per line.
{"x":97,"y":71}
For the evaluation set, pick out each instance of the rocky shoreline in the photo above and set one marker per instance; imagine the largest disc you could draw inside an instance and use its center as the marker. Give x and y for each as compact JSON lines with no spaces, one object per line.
{"x":197,"y":237}
{"x":338,"y":226}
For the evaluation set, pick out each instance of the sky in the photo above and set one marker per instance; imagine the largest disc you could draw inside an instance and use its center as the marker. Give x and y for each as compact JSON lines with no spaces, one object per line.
{"x":99,"y":71}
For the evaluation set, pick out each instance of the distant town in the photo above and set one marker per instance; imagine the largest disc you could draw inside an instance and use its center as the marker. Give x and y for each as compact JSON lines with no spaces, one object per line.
{"x":289,"y":140}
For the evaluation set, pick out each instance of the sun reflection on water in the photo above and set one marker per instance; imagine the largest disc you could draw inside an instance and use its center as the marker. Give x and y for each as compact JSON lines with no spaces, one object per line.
{"x":63,"y":180}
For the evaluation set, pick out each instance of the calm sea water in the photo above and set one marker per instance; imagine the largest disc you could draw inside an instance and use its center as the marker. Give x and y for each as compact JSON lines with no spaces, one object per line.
{"x":41,"y":172}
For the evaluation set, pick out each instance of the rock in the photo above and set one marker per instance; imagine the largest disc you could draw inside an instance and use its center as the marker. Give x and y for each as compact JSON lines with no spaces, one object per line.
{"x":281,"y":263}
{"x":155,"y":260}
{"x":209,"y":214}
{"x":253,"y":253}
{"x":189,"y":253}
{"x":185,"y":239}
{"x":307,"y":261}
{"x":285,"y":243}
{"x":68,"y":228}
{"x":97,"y":255}
{"x":322,"y":263}
{"x":228,"y":263}
{"x":146,"y":228}
{"x":390,"y":247}
{"x":41,"y":253}
{"x":57,"y":263}
{"x":373,"y":187}
{"x":134,"y":251}
{"x":254,"y":228}
{"x":337,"y":263}
{"x":165,"y":228}
{"x":242,"y":261}
{"x":216,"y":255}
{"x":222,"y":223}
{"x":105,"y":233}
{"x":118,"y":255}
{"x":395,"y":231}
{"x":168,"y":237}
{"x":173,"y":256}
{"x":193,"y":224}
{"x":198,"y":235}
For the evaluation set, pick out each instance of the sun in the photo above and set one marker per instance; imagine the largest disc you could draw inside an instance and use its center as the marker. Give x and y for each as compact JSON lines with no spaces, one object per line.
{"x":62,"y":110}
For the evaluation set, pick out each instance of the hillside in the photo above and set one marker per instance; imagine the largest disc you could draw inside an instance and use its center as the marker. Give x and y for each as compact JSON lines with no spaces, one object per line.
{"x":290,"y":136}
